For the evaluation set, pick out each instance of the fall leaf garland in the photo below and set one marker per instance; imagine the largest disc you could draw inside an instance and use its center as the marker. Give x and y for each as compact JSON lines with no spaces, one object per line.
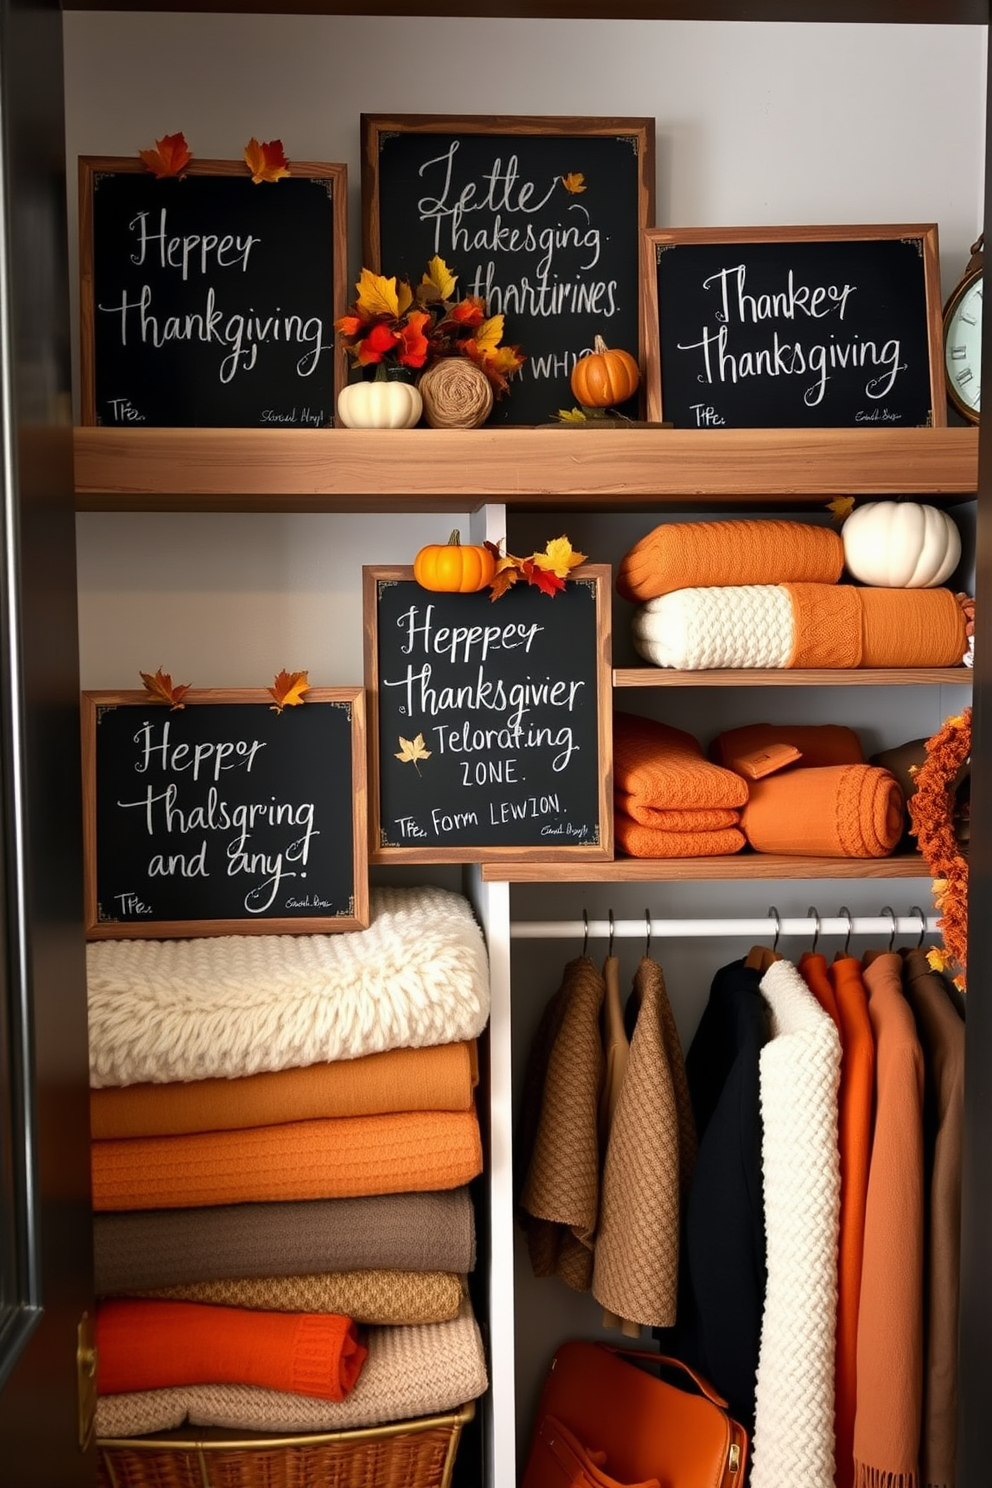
{"x":931,"y":809}
{"x":266,"y":161}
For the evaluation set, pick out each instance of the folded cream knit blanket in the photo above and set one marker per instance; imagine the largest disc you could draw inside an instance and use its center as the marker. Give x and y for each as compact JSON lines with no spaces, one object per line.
{"x":163,"y":1010}
{"x":416,"y":1371}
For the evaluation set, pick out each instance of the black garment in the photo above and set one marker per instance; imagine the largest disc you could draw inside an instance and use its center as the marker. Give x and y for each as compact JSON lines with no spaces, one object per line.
{"x":724,"y":1248}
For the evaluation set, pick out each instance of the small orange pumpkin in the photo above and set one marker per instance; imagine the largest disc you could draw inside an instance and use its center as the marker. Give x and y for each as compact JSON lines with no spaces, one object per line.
{"x":449,"y":568}
{"x":605,"y":377}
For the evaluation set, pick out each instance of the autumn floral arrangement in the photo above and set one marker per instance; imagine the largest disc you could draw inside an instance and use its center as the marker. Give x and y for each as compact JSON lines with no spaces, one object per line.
{"x":932,"y":808}
{"x":457,"y":568}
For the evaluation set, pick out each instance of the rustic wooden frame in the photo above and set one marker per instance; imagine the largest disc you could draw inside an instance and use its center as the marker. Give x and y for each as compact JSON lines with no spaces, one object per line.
{"x":91,"y":166}
{"x":655,"y":239}
{"x":97,"y":929}
{"x":602,"y":851}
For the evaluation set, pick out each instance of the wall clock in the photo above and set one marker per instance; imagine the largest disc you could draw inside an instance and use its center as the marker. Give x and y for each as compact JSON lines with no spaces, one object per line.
{"x":963,"y":339}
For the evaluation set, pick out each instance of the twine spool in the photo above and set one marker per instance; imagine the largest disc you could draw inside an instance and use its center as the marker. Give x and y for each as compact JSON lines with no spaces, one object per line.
{"x":457,"y":394}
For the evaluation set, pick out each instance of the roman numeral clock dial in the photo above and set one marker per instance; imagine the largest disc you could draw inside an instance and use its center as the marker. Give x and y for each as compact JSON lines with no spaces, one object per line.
{"x":963,"y":339}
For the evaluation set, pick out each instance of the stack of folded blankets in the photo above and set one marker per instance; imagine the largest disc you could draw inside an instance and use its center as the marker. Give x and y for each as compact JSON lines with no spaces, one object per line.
{"x":670,"y":801}
{"x":765,"y":593}
{"x":284,"y":1133}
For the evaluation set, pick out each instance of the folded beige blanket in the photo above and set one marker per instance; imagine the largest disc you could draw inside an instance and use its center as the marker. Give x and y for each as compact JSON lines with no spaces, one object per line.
{"x":397,"y":1297}
{"x":418,"y":1371}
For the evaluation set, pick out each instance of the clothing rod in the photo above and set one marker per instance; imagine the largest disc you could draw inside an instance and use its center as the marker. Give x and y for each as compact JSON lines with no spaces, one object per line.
{"x":765,"y":925}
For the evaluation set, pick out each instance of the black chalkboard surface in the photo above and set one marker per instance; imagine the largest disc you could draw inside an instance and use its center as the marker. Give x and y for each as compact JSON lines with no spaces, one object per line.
{"x":208,"y":300}
{"x":818,"y":327}
{"x":538,"y":216}
{"x":224,"y":817}
{"x":512,"y":702}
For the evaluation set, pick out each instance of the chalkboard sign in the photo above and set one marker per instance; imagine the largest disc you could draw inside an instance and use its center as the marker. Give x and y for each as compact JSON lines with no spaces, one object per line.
{"x":208,"y":300}
{"x":490,"y":722}
{"x":224,"y":817}
{"x":540,"y":217}
{"x":808,"y":327}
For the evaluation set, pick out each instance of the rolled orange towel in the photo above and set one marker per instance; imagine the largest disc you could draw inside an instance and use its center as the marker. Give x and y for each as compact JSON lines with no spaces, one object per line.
{"x":686,"y":555}
{"x":638,"y":841}
{"x":155,"y":1345}
{"x":818,"y":743}
{"x":663,"y":767}
{"x":838,"y":811}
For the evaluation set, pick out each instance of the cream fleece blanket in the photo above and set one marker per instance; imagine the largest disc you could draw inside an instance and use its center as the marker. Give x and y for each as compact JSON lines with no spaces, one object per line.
{"x":226,"y":1006}
{"x":416,"y":1371}
{"x":799,"y":1077}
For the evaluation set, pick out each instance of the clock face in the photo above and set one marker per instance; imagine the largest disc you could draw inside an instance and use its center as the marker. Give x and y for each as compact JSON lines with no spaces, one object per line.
{"x":963,"y":351}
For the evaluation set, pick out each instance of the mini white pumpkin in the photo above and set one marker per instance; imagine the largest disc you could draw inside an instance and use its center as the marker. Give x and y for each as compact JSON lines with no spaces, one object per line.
{"x":380,"y":405}
{"x":900,"y":545}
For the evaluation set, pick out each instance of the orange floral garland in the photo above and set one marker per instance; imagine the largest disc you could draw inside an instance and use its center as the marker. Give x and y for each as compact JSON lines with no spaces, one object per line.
{"x":931,"y":809}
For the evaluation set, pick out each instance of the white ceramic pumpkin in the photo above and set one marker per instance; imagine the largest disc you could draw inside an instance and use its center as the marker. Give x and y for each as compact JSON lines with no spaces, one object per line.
{"x":380,"y":405}
{"x":900,"y":545}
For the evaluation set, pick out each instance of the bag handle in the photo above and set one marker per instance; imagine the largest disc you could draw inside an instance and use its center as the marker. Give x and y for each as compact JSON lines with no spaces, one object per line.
{"x":703,"y":1385}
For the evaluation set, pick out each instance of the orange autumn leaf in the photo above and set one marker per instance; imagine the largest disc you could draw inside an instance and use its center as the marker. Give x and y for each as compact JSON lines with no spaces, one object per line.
{"x":503,"y":580}
{"x":267,"y":161}
{"x":159,"y":686}
{"x":574,"y":182}
{"x":288,"y":689}
{"x":841,"y":507}
{"x":170,"y":156}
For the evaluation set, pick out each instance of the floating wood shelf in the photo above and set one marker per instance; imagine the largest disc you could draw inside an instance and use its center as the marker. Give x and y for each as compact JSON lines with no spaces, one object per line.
{"x":649,"y":676}
{"x":548,"y":468}
{"x":744,"y":866}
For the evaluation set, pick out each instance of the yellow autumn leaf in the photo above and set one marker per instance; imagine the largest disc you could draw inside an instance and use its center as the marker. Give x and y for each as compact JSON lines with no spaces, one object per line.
{"x":490,"y":333}
{"x":412,"y":750}
{"x":288,"y":689}
{"x":938,"y":958}
{"x":841,"y":507}
{"x":574,"y":182}
{"x":377,"y":295}
{"x":559,"y":557}
{"x":404,"y":297}
{"x":441,"y":277}
{"x":571,"y":415}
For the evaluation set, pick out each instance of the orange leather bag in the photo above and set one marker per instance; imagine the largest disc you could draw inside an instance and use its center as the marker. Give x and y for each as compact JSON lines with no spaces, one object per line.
{"x":605,"y":1421}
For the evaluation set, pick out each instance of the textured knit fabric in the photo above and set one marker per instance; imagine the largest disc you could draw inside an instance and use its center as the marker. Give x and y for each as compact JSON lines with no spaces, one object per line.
{"x":559,"y":1201}
{"x":237,"y":1005}
{"x":155,"y":1345}
{"x":680,"y":555}
{"x":409,"y":1372}
{"x":818,"y":743}
{"x":799,"y":1080}
{"x":638,"y":841}
{"x":746,"y":625}
{"x":836,"y":811}
{"x":365,"y":1296}
{"x":437,"y":1079}
{"x":657,"y":767}
{"x":911,"y":627}
{"x":941,"y":1034}
{"x":649,"y":1157}
{"x":166,"y":1247}
{"x":720,"y":1324}
{"x":890,"y":1318}
{"x":415,"y":1151}
{"x":616,"y":1047}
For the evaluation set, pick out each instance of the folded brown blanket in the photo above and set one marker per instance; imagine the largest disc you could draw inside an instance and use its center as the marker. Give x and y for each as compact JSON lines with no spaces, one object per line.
{"x":156,"y":1345}
{"x":837,"y":811}
{"x":164,"y":1247}
{"x":685,"y":555}
{"x":410,"y":1151}
{"x":638,"y":841}
{"x":818,"y":743}
{"x":440,"y":1078}
{"x":366,"y":1296}
{"x":409,"y":1372}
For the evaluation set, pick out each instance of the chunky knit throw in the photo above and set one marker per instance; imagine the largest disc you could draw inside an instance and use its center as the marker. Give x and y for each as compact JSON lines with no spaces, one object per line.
{"x":794,"y":1395}
{"x":235,"y":1005}
{"x":366,"y":1296}
{"x":679,"y":555}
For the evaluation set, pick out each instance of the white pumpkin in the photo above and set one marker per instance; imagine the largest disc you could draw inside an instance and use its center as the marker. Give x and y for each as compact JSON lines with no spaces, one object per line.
{"x":380,"y":405}
{"x":900,"y":545}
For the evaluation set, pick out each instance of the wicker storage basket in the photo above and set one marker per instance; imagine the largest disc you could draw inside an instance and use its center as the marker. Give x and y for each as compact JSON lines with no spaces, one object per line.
{"x":404,"y":1454}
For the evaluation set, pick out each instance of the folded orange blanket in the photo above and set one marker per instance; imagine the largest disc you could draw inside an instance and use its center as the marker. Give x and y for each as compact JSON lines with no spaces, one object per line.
{"x":700,"y":819}
{"x":838,"y":811}
{"x":845,"y":626}
{"x":440,"y":1078}
{"x":818,"y":743}
{"x":661,"y":767}
{"x":411,"y":1152}
{"x":638,"y":841}
{"x":153,"y":1345}
{"x":687,"y":555}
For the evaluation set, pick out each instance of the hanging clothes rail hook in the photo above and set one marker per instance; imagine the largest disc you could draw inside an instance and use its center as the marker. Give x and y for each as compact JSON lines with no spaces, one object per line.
{"x":887,"y":910}
{"x":609,"y":943}
{"x":814,"y":914}
{"x":915,"y":909}
{"x":647,"y":943}
{"x":850,"y":926}
{"x":773,"y":914}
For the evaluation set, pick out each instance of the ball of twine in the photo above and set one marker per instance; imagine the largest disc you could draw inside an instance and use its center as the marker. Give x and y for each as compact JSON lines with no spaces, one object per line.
{"x":457,"y":394}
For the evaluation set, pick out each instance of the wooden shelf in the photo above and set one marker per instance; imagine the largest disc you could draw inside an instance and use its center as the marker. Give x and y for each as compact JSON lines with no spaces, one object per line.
{"x":944,"y":12}
{"x":743,"y":865}
{"x":548,"y":468}
{"x":960,"y":676}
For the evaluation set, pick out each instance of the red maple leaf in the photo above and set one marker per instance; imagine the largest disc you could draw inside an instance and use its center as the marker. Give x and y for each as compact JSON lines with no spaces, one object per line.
{"x":543,"y":578}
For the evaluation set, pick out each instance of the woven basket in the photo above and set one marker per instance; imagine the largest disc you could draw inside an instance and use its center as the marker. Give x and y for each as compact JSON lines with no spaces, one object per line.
{"x":406,"y":1454}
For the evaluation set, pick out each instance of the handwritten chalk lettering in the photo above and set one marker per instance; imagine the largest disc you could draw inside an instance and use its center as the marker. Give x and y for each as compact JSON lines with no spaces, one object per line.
{"x":226,"y":755}
{"x":796,"y":299}
{"x":123,"y":411}
{"x":502,"y":194}
{"x":410,"y":827}
{"x":490,"y":772}
{"x":454,"y":821}
{"x":131,"y":903}
{"x":491,"y":694}
{"x":792,"y":359}
{"x":542,"y":297}
{"x":180,"y":252}
{"x":706,"y":416}
{"x":458,"y":642}
{"x":531,"y":807}
{"x":183,"y":865}
{"x":215,"y":815}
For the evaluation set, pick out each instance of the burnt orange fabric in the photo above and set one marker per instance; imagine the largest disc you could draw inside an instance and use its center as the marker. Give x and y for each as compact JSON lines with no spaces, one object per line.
{"x":843,"y":811}
{"x":154,"y":1345}
{"x":818,"y":743}
{"x":890,"y":1319}
{"x":684,"y":555}
{"x":827,"y":625}
{"x":440,"y":1078}
{"x":415,"y":1151}
{"x":911,"y":627}
{"x":638,"y":841}
{"x":660,"y":768}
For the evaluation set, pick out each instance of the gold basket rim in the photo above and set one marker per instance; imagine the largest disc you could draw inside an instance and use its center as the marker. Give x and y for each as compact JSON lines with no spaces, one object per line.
{"x":388,"y":1429}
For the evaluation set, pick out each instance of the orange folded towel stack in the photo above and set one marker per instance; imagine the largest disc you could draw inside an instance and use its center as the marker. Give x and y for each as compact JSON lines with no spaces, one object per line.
{"x":671,"y":802}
